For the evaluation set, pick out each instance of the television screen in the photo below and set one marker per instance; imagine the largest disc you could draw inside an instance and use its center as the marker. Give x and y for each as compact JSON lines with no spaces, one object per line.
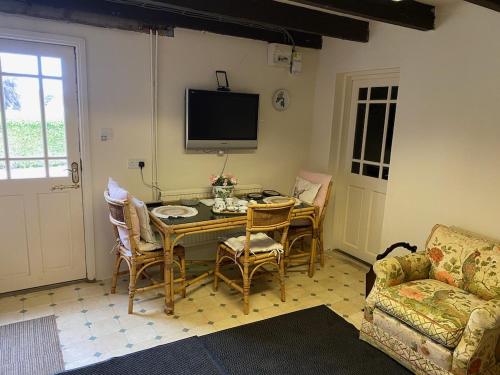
{"x":221,"y":119}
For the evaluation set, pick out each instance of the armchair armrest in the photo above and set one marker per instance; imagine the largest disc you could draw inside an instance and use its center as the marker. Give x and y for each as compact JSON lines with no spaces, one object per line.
{"x":397,"y":270}
{"x":394,"y":271}
{"x":370,"y":276}
{"x":476,"y":351}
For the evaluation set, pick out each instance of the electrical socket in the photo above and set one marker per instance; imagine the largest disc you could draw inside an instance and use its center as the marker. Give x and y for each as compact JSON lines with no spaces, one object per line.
{"x":134,"y":163}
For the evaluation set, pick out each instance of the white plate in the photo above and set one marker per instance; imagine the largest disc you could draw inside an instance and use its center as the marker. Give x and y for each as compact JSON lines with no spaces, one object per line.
{"x":166,"y":212}
{"x":280,"y":199}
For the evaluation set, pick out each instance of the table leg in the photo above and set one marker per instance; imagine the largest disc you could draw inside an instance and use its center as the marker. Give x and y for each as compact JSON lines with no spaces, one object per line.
{"x":169,"y":274}
{"x":314,"y":246}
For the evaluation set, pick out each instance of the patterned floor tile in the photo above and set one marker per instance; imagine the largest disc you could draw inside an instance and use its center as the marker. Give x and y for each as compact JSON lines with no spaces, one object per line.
{"x":94,"y":325}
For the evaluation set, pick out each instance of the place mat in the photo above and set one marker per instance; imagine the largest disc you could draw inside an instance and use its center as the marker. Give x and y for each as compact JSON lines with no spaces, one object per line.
{"x":166,"y":212}
{"x":281,"y":199}
{"x":30,"y":347}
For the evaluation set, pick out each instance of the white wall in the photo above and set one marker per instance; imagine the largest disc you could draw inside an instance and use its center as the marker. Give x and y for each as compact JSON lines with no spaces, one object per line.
{"x":446,"y":151}
{"x":119,"y":97}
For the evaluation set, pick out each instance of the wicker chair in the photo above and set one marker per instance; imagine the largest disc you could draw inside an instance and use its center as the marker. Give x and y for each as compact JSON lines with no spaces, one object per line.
{"x":141,"y":255}
{"x":301,"y":229}
{"x":261,"y":218}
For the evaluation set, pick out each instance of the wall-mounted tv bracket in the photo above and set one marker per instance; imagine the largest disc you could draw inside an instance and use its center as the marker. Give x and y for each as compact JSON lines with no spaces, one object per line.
{"x":222,"y":82}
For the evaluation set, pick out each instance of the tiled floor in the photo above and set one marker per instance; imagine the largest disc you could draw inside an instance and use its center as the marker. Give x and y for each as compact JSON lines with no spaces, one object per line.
{"x":94,"y":325}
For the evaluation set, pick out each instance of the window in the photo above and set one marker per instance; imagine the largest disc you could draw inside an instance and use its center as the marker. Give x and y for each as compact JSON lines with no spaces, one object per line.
{"x":374,"y":128}
{"x":32,"y":125}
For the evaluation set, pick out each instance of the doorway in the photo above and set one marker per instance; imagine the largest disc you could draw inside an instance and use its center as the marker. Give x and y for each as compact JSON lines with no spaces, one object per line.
{"x":42,"y":224}
{"x":364,"y":164}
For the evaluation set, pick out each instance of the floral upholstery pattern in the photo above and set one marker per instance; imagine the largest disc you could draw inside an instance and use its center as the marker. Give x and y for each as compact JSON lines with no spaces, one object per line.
{"x":476,"y":351}
{"x":394,"y":271}
{"x":407,"y":356}
{"x":465,"y":260}
{"x":415,"y":266}
{"x":419,"y":343}
{"x":438,"y":311}
{"x":435,"y":309}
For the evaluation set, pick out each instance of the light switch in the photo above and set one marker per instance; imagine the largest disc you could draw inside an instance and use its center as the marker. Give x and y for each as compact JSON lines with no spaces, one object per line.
{"x":106,"y":134}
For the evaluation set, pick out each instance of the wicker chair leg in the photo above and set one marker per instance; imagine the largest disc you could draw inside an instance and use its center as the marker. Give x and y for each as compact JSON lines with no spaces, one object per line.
{"x":321,"y":249}
{"x":246,"y":290}
{"x":182,"y":262}
{"x":312,"y":259}
{"x":282,"y":278}
{"x":131,"y":287}
{"x":217,"y":270}
{"x":116,"y":269}
{"x":286,"y":254}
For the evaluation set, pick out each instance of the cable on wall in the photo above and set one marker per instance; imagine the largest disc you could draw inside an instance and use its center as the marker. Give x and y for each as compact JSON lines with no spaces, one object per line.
{"x":153,"y":48}
{"x":155,"y":176}
{"x":151,"y":92}
{"x":160,"y":6}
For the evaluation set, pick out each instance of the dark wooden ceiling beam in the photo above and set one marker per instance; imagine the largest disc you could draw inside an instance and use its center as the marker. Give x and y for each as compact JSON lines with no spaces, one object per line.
{"x":267,"y":12}
{"x":408,"y":13}
{"x":491,"y":4}
{"x":107,"y":14}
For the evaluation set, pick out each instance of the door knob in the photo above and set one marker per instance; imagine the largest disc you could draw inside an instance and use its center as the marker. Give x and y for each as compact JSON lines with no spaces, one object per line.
{"x":75,"y":174}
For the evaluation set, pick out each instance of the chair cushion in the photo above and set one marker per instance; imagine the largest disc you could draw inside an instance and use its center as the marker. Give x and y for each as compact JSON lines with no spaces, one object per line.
{"x":259,"y":243}
{"x":147,"y":233}
{"x":305,"y":190}
{"x":143,"y":247}
{"x":433,"y":308}
{"x":323,"y":180}
{"x":465,"y":260}
{"x":118,"y":193}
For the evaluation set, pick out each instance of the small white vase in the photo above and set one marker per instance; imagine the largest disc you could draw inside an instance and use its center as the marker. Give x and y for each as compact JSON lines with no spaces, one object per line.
{"x":222,"y":191}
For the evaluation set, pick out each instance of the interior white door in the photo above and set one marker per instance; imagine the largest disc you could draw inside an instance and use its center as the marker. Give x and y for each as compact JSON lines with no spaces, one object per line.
{"x":41,"y":211}
{"x":364,"y":166}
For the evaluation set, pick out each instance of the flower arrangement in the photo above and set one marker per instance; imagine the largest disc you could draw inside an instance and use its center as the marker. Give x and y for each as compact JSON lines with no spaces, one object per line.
{"x":223,"y":183}
{"x":223,"y":180}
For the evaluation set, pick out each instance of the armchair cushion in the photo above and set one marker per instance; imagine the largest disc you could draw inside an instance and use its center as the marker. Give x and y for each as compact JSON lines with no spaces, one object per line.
{"x":465,"y":260}
{"x":433,"y":308}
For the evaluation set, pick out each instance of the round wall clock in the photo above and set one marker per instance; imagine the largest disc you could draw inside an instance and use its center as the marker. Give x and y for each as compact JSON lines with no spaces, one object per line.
{"x":281,"y":100}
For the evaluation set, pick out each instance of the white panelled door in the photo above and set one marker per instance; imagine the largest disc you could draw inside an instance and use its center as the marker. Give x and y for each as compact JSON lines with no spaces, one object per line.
{"x":364,"y":166}
{"x":41,"y":212}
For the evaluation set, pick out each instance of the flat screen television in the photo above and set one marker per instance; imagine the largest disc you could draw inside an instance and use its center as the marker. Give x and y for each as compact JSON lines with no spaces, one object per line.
{"x":221,"y":119}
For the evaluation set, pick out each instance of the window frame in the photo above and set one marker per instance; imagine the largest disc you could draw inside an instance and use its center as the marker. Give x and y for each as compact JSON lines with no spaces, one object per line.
{"x":41,"y":100}
{"x":367,"y":102}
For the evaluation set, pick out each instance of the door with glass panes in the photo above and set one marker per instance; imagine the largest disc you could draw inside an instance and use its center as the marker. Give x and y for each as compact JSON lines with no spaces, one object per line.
{"x":41,"y":212}
{"x":365,"y":166}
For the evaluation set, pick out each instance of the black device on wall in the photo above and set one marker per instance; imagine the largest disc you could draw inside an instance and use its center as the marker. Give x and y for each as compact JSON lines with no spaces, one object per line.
{"x":221,"y":120}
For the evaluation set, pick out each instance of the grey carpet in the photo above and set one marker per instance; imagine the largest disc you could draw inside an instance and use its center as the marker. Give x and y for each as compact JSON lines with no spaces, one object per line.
{"x":30,"y":347}
{"x":311,"y":341}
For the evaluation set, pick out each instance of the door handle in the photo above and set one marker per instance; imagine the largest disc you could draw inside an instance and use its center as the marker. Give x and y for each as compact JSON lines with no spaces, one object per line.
{"x":75,"y":174}
{"x":64,"y":187}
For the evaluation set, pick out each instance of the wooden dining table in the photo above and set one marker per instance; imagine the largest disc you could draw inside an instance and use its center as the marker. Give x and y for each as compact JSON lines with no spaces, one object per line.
{"x":173,"y":230}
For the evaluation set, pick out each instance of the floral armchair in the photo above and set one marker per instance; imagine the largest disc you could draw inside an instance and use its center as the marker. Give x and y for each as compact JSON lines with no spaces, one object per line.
{"x":438,"y":311}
